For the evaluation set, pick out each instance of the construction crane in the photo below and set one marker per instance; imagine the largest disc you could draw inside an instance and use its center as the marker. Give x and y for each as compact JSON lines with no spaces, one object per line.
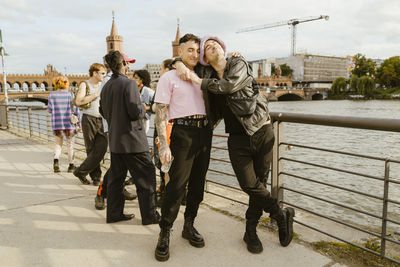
{"x":292,"y":23}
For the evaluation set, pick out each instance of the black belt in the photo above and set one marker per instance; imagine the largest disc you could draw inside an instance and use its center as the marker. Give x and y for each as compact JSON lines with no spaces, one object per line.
{"x":199,"y":123}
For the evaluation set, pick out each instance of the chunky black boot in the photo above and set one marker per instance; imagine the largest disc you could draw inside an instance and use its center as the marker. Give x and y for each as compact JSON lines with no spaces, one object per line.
{"x":56,"y":166}
{"x":162,"y":250}
{"x":284,"y":220}
{"x":254,"y":244}
{"x":190,"y":233}
{"x":71,"y":167}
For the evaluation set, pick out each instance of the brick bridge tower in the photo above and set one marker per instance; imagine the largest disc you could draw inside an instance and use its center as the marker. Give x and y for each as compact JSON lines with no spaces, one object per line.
{"x":175,"y":44}
{"x":114,"y":41}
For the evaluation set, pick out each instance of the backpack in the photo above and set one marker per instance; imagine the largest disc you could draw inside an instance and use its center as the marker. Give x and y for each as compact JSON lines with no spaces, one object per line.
{"x":84,"y":106}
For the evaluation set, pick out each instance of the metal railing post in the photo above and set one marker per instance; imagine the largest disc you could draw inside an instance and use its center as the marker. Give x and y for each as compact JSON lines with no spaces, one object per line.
{"x":276,"y":182}
{"x":48,"y":121}
{"x":385,"y":207}
{"x":30,"y":121}
{"x":17,"y":115}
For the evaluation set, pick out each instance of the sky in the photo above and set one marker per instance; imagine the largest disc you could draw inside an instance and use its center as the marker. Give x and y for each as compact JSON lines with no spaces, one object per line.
{"x":71,"y":34}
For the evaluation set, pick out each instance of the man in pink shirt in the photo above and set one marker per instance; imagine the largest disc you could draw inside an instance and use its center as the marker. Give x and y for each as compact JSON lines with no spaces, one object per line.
{"x":184,"y":103}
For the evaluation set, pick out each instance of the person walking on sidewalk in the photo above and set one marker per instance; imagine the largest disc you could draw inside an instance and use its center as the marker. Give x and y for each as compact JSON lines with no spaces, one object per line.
{"x":92,"y":126}
{"x":251,"y":138}
{"x":101,"y":193}
{"x":120,"y":105}
{"x":61,"y":109}
{"x":190,"y":147}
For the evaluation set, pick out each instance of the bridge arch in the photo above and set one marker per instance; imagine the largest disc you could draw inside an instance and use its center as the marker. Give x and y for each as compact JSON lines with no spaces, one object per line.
{"x":34,"y":86}
{"x":43,"y":85}
{"x":26,"y":87}
{"x":289,"y":97}
{"x":317,"y":96}
{"x":17,"y":86}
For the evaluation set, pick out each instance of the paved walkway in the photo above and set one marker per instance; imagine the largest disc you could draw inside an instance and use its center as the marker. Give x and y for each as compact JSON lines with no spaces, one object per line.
{"x":49,"y":219}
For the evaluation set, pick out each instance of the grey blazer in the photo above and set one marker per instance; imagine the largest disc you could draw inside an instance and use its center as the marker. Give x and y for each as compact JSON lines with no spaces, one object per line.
{"x":120,"y":105}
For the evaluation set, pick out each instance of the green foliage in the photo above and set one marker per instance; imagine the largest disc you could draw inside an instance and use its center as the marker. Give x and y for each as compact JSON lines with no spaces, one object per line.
{"x":339,"y":86}
{"x":363,"y":66}
{"x":286,"y":70}
{"x":388,"y":74}
{"x":273,"y":69}
{"x":354,"y":82}
{"x":366,"y":86}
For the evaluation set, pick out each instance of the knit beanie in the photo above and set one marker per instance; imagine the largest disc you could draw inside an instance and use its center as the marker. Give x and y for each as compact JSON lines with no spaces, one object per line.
{"x":203,"y":41}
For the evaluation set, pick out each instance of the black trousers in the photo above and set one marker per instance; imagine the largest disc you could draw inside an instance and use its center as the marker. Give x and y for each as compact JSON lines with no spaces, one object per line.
{"x":190,"y":147}
{"x":251,"y":158}
{"x":96,"y":146}
{"x":145,"y":181}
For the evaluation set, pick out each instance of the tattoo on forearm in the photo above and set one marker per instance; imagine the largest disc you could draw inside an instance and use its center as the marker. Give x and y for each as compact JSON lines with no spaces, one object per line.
{"x":161,"y":121}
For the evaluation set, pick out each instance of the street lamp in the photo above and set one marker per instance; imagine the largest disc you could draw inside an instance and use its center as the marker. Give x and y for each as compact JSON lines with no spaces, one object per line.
{"x":3,"y":53}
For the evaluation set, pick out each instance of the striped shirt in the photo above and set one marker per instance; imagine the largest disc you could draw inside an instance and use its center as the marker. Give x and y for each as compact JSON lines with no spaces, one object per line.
{"x":59,"y":106}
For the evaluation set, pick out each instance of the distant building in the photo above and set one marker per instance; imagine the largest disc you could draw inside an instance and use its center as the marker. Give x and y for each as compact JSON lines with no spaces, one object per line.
{"x":378,"y":62}
{"x":175,"y":43}
{"x":114,"y":41}
{"x":316,"y":68}
{"x":154,"y":70}
{"x":262,"y":74}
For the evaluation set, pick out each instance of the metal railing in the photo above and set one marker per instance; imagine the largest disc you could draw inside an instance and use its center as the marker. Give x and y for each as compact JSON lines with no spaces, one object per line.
{"x":279,"y":170}
{"x":24,"y":120}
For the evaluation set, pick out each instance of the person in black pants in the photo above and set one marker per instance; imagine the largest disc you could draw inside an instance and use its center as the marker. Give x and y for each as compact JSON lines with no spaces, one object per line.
{"x":120,"y":105}
{"x":184,"y":103}
{"x":251,"y":138}
{"x":92,"y":127}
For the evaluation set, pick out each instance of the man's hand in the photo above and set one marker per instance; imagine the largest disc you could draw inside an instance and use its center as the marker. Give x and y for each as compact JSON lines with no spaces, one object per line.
{"x":194,"y":78}
{"x":165,"y":154}
{"x":182,"y":71}
{"x":236,"y":54}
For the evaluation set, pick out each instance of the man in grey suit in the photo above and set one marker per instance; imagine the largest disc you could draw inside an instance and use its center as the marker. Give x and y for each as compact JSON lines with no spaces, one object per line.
{"x":120,"y":105}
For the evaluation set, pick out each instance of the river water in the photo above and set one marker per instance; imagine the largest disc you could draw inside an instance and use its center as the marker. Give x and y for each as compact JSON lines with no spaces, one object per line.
{"x":366,"y":142}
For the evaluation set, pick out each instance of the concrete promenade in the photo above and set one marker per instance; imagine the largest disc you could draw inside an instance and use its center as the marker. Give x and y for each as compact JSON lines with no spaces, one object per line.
{"x":49,"y":219}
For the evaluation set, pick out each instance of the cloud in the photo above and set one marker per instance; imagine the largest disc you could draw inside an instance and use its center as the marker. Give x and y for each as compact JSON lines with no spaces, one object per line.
{"x":72,"y":33}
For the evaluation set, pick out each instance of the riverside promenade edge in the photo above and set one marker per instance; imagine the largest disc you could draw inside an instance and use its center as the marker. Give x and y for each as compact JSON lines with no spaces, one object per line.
{"x":49,"y":219}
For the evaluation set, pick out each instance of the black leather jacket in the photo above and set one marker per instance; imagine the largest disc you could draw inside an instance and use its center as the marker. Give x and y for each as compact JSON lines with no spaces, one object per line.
{"x":248,"y":105}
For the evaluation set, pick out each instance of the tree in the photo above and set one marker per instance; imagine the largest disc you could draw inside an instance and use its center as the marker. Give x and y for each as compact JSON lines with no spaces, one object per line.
{"x":366,"y":85}
{"x":363,"y":66}
{"x":273,"y":69}
{"x":286,"y":70}
{"x":339,"y":85}
{"x":354,"y":83}
{"x":388,"y":74}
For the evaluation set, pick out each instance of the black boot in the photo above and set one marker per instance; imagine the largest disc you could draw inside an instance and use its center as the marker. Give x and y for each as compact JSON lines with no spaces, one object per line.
{"x":190,"y":233}
{"x":254,"y":244}
{"x":284,"y":220}
{"x":162,"y":250}
{"x":56,"y":166}
{"x":71,"y":167}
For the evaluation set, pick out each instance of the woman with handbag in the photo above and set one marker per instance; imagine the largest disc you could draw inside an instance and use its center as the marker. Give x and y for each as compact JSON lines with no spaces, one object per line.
{"x":64,"y":120}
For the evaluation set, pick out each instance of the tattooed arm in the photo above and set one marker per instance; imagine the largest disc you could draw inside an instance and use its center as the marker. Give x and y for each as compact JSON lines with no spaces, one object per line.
{"x":161,"y":121}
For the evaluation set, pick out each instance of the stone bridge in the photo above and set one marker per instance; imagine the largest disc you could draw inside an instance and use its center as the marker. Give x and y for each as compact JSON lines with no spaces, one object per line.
{"x":27,"y":96}
{"x":296,"y":94}
{"x":35,"y":82}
